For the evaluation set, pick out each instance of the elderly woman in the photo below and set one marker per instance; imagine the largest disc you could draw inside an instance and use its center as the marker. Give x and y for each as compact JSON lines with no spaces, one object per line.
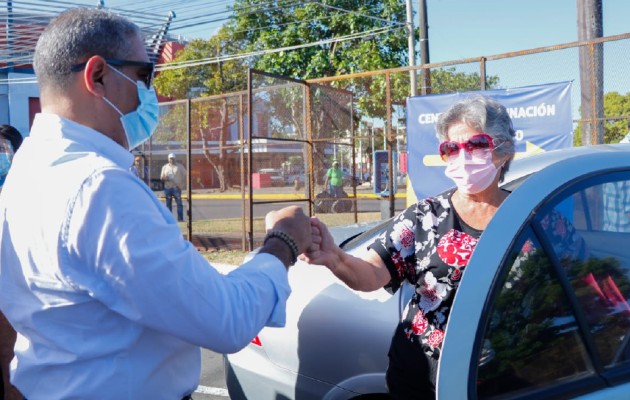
{"x":430,"y":243}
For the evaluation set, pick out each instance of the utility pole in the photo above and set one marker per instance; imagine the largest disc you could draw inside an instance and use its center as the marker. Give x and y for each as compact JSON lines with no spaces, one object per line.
{"x":590,"y":26}
{"x":412,"y":50}
{"x":424,"y":47}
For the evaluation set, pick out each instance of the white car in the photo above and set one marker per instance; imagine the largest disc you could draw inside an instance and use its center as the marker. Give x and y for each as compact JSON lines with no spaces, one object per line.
{"x":529,"y":320}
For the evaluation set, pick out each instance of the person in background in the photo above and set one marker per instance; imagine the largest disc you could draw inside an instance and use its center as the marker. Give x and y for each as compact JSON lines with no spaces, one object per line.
{"x":140,"y":168}
{"x":108,"y":299}
{"x":429,"y":244}
{"x":334,"y":180}
{"x":174,"y":177}
{"x":10,"y":142}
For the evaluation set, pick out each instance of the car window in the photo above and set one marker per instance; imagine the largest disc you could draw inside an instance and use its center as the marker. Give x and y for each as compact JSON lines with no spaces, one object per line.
{"x":601,"y":284}
{"x":532,"y":337}
{"x":561,"y":312}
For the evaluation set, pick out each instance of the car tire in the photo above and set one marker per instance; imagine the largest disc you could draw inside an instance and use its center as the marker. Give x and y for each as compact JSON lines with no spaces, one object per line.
{"x":319,"y":207}
{"x":336,"y":207}
{"x":323,"y":204}
{"x":342,"y":206}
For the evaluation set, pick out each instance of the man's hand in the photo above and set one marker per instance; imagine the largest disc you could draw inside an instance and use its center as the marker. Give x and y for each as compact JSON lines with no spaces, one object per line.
{"x":293,"y":222}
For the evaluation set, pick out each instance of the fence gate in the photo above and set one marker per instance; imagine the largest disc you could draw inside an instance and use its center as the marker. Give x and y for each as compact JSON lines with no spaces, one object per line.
{"x":295,"y":131}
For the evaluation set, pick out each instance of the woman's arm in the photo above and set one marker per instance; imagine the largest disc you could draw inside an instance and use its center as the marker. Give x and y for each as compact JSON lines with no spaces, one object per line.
{"x":365,"y":274}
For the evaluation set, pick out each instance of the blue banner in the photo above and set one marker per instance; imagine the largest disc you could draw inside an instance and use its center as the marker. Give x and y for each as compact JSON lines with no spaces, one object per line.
{"x":541,"y":116}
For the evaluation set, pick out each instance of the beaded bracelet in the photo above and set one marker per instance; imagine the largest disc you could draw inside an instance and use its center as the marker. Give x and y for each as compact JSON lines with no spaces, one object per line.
{"x":286,"y":239}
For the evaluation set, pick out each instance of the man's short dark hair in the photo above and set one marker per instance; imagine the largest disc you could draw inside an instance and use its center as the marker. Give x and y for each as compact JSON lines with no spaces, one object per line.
{"x":12,"y":135}
{"x":74,"y":36}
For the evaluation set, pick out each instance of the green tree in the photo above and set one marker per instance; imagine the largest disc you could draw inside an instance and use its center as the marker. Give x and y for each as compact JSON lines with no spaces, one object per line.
{"x":616,"y":118}
{"x":202,"y":81}
{"x":208,"y":78}
{"x":446,"y":80}
{"x":260,"y":25}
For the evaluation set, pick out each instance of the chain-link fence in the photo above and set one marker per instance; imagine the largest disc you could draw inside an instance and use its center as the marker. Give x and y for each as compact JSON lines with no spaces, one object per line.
{"x":244,"y":161}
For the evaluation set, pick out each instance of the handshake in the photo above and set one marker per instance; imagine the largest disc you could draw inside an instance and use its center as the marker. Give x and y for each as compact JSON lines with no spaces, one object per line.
{"x":291,"y":233}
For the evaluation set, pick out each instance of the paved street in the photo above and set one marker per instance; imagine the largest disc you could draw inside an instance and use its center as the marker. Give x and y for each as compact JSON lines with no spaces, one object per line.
{"x":212,"y":382}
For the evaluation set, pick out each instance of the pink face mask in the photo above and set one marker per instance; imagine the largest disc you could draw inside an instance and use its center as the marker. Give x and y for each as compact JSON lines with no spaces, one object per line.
{"x":471,"y":174}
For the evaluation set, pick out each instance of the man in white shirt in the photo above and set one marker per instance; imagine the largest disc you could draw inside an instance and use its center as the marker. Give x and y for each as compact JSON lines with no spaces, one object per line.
{"x":10,"y":141}
{"x":108,"y":300}
{"x":174,"y":177}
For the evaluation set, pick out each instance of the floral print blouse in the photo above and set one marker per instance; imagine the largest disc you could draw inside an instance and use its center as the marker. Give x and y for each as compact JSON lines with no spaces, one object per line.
{"x":429,"y":246}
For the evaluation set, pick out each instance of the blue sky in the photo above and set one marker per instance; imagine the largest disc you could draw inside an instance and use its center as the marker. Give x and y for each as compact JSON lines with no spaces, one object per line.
{"x":471,"y":28}
{"x":457,"y":28}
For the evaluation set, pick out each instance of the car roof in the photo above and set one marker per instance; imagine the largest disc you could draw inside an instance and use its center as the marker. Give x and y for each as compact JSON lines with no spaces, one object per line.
{"x":526,"y":166}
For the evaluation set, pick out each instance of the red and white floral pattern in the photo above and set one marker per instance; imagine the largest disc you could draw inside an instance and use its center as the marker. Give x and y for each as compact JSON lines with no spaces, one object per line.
{"x":427,"y":247}
{"x":403,"y":237}
{"x":455,"y":248}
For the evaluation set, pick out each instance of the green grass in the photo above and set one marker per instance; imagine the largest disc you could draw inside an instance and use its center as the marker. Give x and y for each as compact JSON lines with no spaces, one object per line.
{"x":223,"y":225}
{"x":232,"y":257}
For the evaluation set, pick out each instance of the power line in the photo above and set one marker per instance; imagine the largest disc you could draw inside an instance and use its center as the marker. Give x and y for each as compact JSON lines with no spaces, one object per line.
{"x":26,"y":19}
{"x":214,"y":60}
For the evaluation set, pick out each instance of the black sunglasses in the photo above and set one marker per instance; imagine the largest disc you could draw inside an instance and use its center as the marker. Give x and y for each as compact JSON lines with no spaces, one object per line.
{"x":146,"y":66}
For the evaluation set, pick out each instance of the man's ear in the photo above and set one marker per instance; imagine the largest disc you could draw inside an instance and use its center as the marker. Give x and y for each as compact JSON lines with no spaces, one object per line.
{"x":95,"y":71}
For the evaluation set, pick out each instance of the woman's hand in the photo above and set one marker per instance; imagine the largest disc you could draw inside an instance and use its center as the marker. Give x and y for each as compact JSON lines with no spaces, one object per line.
{"x":365,"y":274}
{"x":323,"y":250}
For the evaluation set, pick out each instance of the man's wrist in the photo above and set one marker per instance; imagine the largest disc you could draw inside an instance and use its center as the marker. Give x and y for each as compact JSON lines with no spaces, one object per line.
{"x":280,"y":241}
{"x":278,"y":249}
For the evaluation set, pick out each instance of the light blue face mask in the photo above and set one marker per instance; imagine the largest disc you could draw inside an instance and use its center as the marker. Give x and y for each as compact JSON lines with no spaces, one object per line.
{"x":6,"y":156}
{"x":139,"y":125}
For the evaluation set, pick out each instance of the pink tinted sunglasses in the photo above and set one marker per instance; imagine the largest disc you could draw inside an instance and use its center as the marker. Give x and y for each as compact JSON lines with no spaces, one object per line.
{"x":477,"y":145}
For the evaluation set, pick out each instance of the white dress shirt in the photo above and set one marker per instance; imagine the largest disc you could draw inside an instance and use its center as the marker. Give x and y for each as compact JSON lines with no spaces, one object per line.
{"x":109,"y":300}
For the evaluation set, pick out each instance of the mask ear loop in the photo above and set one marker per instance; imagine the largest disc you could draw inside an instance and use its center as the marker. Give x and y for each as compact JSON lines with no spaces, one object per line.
{"x":105,"y":98}
{"x":125,"y":76}
{"x":502,"y":165}
{"x":113,"y":106}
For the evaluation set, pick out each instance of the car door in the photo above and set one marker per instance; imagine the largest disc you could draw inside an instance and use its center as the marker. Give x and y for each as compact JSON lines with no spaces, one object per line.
{"x":542,"y":311}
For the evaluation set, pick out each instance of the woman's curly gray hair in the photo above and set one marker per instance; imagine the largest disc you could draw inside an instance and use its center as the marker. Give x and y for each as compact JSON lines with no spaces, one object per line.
{"x":486,"y":116}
